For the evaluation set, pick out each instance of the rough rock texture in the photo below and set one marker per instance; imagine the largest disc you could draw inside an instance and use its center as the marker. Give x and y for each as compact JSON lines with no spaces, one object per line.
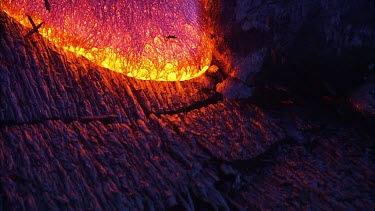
{"x":314,"y":47}
{"x":76,"y":136}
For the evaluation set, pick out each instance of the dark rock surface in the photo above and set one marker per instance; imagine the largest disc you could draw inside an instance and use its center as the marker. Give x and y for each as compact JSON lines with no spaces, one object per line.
{"x":314,"y":47}
{"x":77,"y":136}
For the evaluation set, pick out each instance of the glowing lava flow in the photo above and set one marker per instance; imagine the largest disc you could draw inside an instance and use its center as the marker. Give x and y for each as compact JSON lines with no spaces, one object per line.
{"x":164,"y":40}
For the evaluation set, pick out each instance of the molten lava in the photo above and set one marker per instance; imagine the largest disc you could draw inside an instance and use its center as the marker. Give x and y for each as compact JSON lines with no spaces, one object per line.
{"x":164,"y":40}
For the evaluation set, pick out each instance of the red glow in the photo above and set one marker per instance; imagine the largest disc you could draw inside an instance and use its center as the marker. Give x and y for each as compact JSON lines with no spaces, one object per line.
{"x":150,"y":40}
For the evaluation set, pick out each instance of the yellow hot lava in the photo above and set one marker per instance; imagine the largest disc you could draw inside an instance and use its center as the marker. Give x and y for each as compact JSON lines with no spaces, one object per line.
{"x":151,"y":40}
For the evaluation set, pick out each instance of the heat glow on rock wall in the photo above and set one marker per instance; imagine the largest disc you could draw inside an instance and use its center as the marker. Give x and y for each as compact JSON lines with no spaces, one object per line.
{"x":160,"y":40}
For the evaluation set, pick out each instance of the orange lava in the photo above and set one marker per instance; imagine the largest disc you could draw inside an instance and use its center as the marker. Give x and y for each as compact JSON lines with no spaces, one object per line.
{"x":164,"y":40}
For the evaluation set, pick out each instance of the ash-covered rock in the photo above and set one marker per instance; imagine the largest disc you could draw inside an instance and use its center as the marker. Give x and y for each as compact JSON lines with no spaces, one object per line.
{"x":241,"y":78}
{"x":233,"y":88}
{"x":245,"y":68}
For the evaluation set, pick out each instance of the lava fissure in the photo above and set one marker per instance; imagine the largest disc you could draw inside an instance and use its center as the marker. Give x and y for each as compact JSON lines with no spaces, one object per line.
{"x":214,"y":99}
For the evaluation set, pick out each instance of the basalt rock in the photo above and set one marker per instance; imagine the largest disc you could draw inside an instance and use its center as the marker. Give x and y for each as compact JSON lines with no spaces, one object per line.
{"x":77,"y":136}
